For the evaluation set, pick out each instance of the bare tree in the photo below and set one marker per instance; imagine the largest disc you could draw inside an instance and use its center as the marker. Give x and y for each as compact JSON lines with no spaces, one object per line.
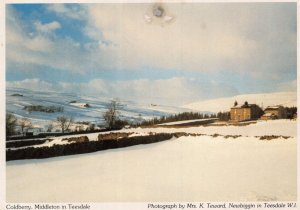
{"x":91,"y":127}
{"x":24,"y":124}
{"x":64,"y":122}
{"x":49,"y":127}
{"x":11,"y":123}
{"x":112,"y":114}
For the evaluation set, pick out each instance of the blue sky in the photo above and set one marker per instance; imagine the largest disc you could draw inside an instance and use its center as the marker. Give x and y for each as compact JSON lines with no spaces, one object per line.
{"x":121,"y":50}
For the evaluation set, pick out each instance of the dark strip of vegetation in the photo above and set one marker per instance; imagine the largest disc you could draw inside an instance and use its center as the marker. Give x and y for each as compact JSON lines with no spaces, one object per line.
{"x":232,"y":136}
{"x":291,"y":112}
{"x":189,"y":124}
{"x":16,"y":144}
{"x":45,"y":135}
{"x":17,"y":94}
{"x":40,"y":108}
{"x":223,"y":116}
{"x":83,"y":147}
{"x":177,"y":117}
{"x":266,"y":137}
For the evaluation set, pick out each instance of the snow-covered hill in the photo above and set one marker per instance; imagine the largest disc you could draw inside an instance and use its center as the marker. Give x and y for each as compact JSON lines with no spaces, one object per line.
{"x":81,"y":108}
{"x":264,"y":99}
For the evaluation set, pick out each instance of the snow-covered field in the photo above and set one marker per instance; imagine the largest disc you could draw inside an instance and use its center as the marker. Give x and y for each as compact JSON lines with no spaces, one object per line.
{"x":276,"y":127}
{"x":260,"y":128}
{"x":199,"y":168}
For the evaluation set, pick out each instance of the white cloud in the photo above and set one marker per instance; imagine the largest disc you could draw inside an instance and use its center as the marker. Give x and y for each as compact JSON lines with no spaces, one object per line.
{"x":260,"y":40}
{"x":41,"y":49}
{"x":48,"y":27}
{"x":254,"y":39}
{"x":71,"y":11}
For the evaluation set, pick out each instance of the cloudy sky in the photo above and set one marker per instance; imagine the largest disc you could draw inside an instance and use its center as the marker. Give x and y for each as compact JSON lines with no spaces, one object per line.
{"x":195,"y":51}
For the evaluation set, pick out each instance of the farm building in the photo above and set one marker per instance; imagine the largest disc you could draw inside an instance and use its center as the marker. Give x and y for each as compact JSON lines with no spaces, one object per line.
{"x":268,"y":116}
{"x":245,"y":112}
{"x":274,"y":112}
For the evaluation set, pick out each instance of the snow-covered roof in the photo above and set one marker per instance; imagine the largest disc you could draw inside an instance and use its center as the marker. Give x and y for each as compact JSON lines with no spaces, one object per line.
{"x":273,"y":107}
{"x":268,"y":114}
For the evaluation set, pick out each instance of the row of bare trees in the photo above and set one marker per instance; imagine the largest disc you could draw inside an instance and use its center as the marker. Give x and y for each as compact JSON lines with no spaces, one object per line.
{"x":12,"y":122}
{"x":25,"y":124}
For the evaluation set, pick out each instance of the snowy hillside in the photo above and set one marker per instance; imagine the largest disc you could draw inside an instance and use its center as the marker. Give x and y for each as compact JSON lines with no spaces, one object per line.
{"x":82,"y":108}
{"x":189,"y":168}
{"x":266,"y":99}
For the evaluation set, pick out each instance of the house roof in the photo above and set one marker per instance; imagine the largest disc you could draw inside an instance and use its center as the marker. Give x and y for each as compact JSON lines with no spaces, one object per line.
{"x":243,"y":106}
{"x":272,"y":107}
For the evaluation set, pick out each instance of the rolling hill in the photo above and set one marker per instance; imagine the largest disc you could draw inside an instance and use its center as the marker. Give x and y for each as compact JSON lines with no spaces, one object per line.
{"x":288,"y":99}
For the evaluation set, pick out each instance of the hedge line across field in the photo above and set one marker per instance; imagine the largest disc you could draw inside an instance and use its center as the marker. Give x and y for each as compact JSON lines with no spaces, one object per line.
{"x":83,"y":147}
{"x":17,"y":144}
{"x":48,"y":135}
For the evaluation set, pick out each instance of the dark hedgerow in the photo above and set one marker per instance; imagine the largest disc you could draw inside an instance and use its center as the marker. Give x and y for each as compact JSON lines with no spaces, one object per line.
{"x":16,"y":144}
{"x":270,"y":137}
{"x":41,"y":108}
{"x":83,"y":147}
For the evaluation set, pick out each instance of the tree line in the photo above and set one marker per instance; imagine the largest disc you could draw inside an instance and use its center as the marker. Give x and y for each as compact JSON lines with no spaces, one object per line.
{"x":24,"y":124}
{"x":177,"y":117}
{"x":290,"y":112}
